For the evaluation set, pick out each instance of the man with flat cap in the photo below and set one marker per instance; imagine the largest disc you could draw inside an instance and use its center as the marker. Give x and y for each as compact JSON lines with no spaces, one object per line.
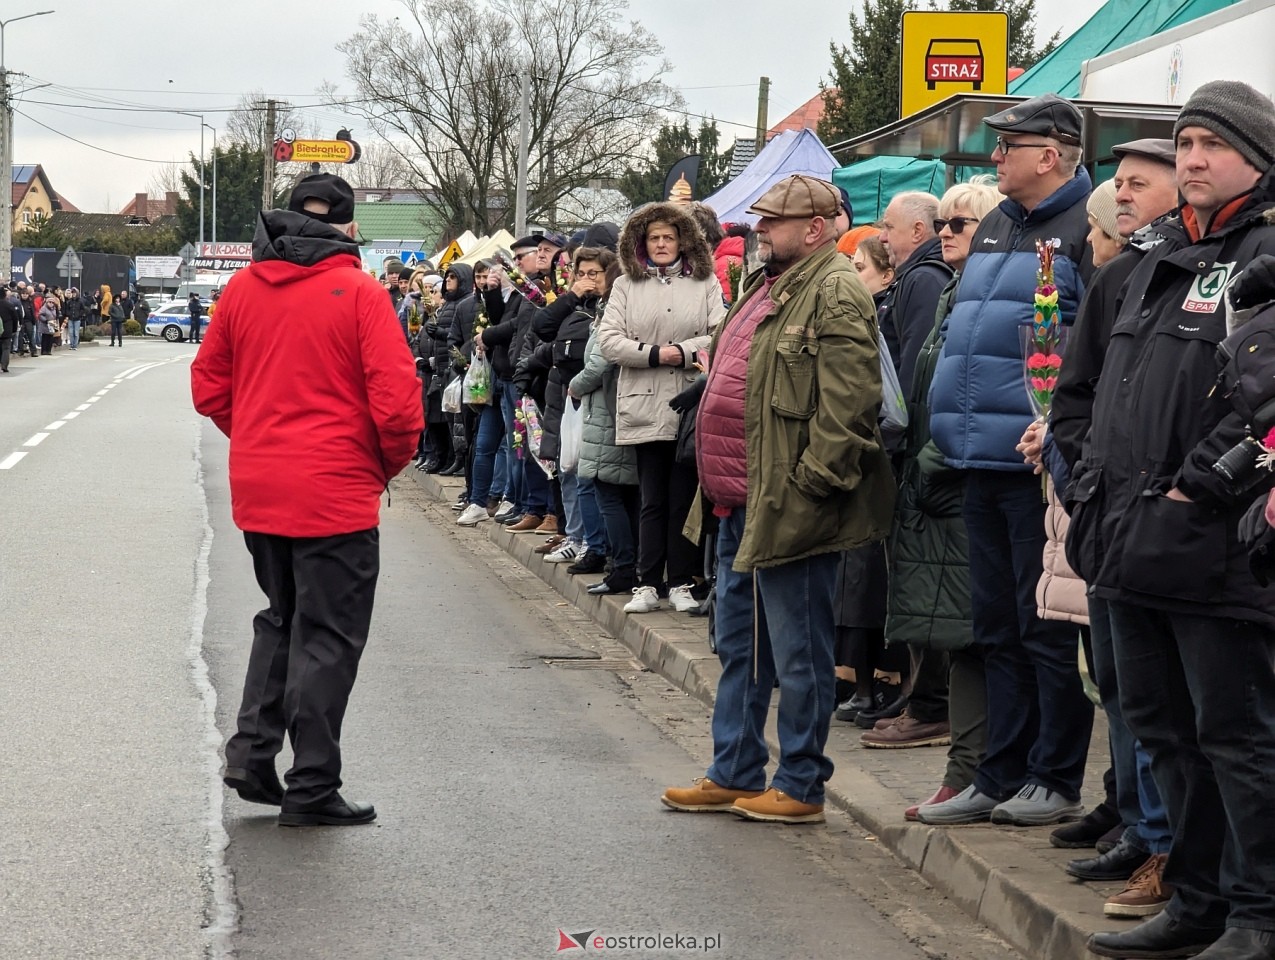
{"x":319,"y":421}
{"x":1154,"y":533}
{"x":1038,"y":718}
{"x":792,"y":462}
{"x":1146,"y":195}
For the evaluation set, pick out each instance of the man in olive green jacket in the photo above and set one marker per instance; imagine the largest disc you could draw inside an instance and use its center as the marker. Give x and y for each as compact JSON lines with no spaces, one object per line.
{"x":791,"y":459}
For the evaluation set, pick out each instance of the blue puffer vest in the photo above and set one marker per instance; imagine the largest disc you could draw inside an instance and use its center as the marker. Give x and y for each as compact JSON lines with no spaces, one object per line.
{"x":978,"y":399}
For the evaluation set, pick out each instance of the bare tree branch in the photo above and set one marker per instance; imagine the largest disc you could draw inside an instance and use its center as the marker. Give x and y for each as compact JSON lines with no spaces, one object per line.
{"x":442,"y":84}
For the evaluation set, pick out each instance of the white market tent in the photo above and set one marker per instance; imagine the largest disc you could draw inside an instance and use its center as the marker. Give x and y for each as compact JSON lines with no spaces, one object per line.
{"x":486,"y":247}
{"x":792,"y":151}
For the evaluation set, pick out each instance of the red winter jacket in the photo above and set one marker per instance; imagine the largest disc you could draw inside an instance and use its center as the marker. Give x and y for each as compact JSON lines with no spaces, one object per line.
{"x":730,"y":250}
{"x":306,"y":370}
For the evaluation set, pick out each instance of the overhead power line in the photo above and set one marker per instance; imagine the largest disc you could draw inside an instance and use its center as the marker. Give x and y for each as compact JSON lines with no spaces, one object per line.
{"x":84,"y":143}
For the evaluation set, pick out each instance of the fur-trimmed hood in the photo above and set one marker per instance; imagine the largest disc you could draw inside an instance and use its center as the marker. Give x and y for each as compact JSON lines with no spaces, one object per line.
{"x":693,"y":247}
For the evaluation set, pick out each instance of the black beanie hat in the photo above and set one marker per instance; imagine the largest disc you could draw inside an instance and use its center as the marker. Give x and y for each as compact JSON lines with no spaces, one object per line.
{"x":1238,"y":114}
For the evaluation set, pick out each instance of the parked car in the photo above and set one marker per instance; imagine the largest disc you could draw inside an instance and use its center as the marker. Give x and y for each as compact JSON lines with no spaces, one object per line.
{"x":172,"y":321}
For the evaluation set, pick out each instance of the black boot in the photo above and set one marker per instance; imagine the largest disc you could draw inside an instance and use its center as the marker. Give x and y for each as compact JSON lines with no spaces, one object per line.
{"x":1088,"y":830}
{"x":888,"y":702}
{"x":1161,"y":936}
{"x":619,"y":580}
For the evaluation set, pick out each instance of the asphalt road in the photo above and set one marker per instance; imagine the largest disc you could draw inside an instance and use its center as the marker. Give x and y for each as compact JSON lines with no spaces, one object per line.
{"x":518,"y":798}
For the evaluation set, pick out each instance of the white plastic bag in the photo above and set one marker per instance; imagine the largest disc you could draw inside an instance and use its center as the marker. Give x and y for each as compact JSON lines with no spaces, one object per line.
{"x":452,"y":396}
{"x":569,"y":435}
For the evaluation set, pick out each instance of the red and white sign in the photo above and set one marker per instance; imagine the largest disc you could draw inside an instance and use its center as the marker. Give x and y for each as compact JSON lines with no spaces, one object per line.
{"x":226,"y":251}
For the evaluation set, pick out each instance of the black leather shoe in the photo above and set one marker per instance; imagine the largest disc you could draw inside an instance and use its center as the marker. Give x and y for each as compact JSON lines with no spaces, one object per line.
{"x":1161,"y":936}
{"x":1242,"y":943}
{"x":588,"y":562}
{"x":888,"y":702}
{"x":337,"y":812}
{"x":255,"y":786}
{"x":848,"y":710}
{"x":1086,"y":831}
{"x":1119,"y":863}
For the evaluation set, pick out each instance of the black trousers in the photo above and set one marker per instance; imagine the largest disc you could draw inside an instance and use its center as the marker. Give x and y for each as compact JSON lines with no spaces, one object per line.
{"x":1199,"y":692}
{"x":666,"y":490}
{"x":6,"y":343}
{"x":929,"y":698}
{"x":305,"y":655}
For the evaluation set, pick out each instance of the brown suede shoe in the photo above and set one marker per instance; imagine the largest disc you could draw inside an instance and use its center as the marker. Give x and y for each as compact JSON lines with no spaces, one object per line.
{"x":905,"y":732}
{"x":527,"y":524}
{"x":550,"y":545}
{"x":548,"y":525}
{"x":1146,"y":893}
{"x":775,"y":806}
{"x":704,"y":797}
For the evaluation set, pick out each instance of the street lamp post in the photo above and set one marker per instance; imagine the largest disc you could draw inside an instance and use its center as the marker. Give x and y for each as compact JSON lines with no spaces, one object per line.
{"x":6,"y":154}
{"x":214,"y":184}
{"x":202,"y":181}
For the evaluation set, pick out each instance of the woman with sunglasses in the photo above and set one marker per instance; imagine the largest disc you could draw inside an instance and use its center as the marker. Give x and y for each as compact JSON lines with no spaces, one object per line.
{"x":929,"y":606}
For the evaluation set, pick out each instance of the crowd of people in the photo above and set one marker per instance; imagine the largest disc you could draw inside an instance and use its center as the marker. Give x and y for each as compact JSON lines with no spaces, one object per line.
{"x":642,"y":400}
{"x":35,"y":319}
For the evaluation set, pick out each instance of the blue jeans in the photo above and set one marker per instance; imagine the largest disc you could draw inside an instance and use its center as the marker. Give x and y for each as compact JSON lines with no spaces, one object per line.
{"x":487,"y":444}
{"x":1039,"y":720}
{"x":1199,"y":692}
{"x":795,"y":637}
{"x":514,"y":484}
{"x":584,"y":522}
{"x":1141,"y":810}
{"x":74,"y":327}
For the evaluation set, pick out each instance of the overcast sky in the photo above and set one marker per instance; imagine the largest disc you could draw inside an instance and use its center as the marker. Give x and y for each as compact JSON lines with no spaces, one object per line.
{"x":201,"y":57}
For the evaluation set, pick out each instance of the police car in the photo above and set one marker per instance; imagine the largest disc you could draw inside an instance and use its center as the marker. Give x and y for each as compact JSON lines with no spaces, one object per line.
{"x":172,"y":321}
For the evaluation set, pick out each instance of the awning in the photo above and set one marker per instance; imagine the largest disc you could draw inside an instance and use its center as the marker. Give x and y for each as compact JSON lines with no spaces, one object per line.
{"x":953,"y":130}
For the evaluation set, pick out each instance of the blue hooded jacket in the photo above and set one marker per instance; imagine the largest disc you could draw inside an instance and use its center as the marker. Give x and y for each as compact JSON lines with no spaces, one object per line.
{"x":978,"y":398}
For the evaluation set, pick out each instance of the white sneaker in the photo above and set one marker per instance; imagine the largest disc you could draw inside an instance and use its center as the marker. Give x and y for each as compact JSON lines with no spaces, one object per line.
{"x":472,"y":515}
{"x":680,"y":599}
{"x":645,"y":600}
{"x":505,"y":507}
{"x":566,"y":553}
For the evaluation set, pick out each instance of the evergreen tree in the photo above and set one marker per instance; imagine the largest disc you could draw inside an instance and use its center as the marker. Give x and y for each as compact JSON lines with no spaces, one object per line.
{"x":1022,"y":27}
{"x":240,"y":168}
{"x":644,"y":183}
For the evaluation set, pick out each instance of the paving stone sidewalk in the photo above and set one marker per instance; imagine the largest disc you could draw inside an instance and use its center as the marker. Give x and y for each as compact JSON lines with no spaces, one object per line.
{"x":1010,"y":878}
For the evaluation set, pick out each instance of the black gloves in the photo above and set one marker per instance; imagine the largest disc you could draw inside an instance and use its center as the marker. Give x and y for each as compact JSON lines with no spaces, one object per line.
{"x":1256,"y":283}
{"x":690,"y":397}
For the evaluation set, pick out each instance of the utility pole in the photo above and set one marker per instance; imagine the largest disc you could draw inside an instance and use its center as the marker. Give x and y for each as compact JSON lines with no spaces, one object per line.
{"x":6,"y":155}
{"x":267,"y":180}
{"x":524,"y":131}
{"x":203,"y":181}
{"x":763,"y":103}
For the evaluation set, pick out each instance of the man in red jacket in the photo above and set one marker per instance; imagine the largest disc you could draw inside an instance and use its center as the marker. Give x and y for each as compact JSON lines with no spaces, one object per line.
{"x":307,"y":373}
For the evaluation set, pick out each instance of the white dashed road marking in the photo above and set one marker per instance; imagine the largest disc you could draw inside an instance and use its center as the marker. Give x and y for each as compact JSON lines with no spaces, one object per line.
{"x":11,"y":460}
{"x":36,"y":440}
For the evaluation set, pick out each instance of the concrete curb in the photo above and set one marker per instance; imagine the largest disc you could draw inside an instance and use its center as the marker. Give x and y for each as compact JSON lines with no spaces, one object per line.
{"x":1009,"y":879}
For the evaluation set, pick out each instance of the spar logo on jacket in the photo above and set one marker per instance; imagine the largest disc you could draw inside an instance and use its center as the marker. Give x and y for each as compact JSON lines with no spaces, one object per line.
{"x":978,"y":403}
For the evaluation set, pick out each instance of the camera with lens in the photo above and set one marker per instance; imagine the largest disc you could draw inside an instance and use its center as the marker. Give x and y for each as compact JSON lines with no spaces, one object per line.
{"x":1240,"y":466}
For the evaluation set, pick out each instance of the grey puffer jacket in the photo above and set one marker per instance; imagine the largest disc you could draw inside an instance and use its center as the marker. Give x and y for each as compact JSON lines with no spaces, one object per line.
{"x":600,"y":457}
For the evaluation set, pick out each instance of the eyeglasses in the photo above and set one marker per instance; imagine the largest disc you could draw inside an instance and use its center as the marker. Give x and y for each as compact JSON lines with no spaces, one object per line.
{"x":956,"y":224}
{"x":1004,"y":146}
{"x":590,"y":274}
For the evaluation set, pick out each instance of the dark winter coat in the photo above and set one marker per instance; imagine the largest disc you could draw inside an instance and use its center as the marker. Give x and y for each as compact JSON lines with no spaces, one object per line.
{"x":907,"y":313}
{"x":567,"y":352}
{"x":978,"y":403}
{"x":1158,"y":425}
{"x":10,"y":317}
{"x":458,"y":310}
{"x":506,"y":338}
{"x":929,"y":599}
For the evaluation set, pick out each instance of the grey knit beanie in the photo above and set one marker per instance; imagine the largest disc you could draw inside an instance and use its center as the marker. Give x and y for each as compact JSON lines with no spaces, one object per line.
{"x":1238,"y":114}
{"x":1101,"y":205}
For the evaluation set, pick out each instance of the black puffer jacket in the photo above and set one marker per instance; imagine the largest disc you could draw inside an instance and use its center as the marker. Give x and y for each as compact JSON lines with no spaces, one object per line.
{"x":506,"y":338}
{"x":1158,"y":425}
{"x":458,"y":310}
{"x":567,"y":354}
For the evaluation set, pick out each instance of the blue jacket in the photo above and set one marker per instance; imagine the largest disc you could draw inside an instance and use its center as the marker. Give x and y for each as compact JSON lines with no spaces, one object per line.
{"x":978,"y":398}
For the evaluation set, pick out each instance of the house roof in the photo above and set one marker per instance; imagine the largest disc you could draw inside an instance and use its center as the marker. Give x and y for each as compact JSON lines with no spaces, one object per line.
{"x":741,"y":155}
{"x":81,"y":226}
{"x":805,"y":116}
{"x":154,"y":208}
{"x":399,"y":221}
{"x":1116,"y":24}
{"x":24,"y":174}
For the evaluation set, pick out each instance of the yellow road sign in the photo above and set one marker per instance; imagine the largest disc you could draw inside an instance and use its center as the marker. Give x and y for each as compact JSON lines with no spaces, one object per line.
{"x":947,"y":53}
{"x":451,"y":253}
